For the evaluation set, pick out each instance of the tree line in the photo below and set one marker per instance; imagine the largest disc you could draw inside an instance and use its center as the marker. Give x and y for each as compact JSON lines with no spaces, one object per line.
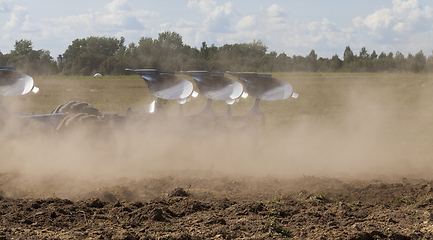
{"x":110,"y":56}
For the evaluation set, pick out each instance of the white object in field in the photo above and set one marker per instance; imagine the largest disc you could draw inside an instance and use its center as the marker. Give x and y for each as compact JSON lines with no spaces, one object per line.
{"x":97,"y":75}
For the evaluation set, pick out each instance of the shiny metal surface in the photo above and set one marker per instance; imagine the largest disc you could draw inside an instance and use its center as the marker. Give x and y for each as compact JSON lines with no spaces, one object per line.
{"x":13,"y":83}
{"x":264,"y":87}
{"x":216,"y":87}
{"x":165,"y":85}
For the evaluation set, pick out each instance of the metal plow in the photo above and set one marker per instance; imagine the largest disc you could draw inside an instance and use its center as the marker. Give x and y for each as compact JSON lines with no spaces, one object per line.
{"x":166,"y":86}
{"x":215,"y":86}
{"x":13,"y":83}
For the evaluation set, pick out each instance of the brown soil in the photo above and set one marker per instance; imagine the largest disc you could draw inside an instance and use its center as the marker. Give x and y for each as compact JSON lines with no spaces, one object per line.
{"x":223,"y":208}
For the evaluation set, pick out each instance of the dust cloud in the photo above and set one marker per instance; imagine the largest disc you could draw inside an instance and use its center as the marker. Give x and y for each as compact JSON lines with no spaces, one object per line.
{"x":372,"y":134}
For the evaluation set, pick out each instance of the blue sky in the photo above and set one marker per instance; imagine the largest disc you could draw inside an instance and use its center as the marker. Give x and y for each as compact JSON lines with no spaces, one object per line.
{"x":290,"y":26}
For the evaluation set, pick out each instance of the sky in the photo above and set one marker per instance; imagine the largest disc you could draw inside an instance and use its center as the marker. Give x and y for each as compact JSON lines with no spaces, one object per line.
{"x":292,"y":27}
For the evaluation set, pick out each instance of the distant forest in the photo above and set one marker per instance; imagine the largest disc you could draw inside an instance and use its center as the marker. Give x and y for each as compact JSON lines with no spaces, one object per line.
{"x":110,"y":56}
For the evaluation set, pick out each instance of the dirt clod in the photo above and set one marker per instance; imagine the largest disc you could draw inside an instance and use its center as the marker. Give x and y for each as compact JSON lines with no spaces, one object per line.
{"x":250,"y":212}
{"x":178,"y":192}
{"x":95,"y":203}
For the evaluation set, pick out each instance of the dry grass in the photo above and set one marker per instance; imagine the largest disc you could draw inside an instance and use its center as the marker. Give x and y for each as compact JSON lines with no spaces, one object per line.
{"x":321,"y":94}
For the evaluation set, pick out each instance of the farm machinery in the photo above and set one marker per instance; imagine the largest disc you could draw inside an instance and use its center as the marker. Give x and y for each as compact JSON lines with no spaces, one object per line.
{"x":165,"y":86}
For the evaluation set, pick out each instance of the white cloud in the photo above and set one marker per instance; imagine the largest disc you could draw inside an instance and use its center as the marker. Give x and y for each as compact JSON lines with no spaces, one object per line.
{"x":189,"y":31}
{"x":119,"y":14}
{"x":163,"y":27}
{"x":282,"y":34}
{"x":380,"y":19}
{"x":116,"y":17}
{"x":6,"y":6}
{"x":312,"y":35}
{"x":247,"y":23}
{"x":183,"y":23}
{"x":275,"y":11}
{"x":404,"y":17}
{"x":375,"y":35}
{"x":117,"y":6}
{"x":404,"y":27}
{"x":204,"y":6}
{"x":217,"y":16}
{"x":276,"y":18}
{"x":17,"y":18}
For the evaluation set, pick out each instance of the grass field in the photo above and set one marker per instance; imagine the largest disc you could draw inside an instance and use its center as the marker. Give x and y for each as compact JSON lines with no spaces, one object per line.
{"x":321,"y":94}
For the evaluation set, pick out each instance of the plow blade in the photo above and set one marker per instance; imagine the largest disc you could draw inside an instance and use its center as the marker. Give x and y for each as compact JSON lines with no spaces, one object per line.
{"x":216,"y":86}
{"x":14,"y":83}
{"x":264,"y":86}
{"x":165,"y":85}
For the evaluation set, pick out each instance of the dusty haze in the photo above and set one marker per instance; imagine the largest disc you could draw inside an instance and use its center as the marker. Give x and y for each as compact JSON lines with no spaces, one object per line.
{"x":372,"y":134}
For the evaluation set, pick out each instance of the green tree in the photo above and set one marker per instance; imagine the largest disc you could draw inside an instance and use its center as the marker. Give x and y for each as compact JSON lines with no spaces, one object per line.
{"x":35,"y":62}
{"x":84,"y":56}
{"x":336,"y":63}
{"x":282,"y":63}
{"x":390,"y":55}
{"x":363,"y":54}
{"x":145,"y":46}
{"x":22,"y":47}
{"x":311,"y":61}
{"x":95,"y":45}
{"x":348,"y":55}
{"x":373,"y":55}
{"x":109,"y":55}
{"x":429,"y":63}
{"x":256,"y":49}
{"x":4,"y":58}
{"x":418,"y":63}
{"x":170,"y":40}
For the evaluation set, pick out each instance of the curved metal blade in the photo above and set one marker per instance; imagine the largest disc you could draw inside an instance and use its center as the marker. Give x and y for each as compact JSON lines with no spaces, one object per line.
{"x":165,"y":85}
{"x":13,"y":83}
{"x":216,"y":86}
{"x":264,"y":87}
